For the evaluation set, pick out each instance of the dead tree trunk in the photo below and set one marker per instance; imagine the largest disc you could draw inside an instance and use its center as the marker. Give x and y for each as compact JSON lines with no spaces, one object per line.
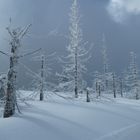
{"x":11,"y":84}
{"x":98,"y":89}
{"x":42,"y":80}
{"x":114,"y":85}
{"x":2,"y":86}
{"x":88,"y":98}
{"x":99,"y":86}
{"x":10,"y":103}
{"x":76,"y":72}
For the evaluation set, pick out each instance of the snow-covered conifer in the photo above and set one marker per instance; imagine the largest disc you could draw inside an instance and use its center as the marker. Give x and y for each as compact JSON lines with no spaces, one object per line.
{"x":105,"y":63}
{"x":132,"y":77}
{"x":74,"y":63}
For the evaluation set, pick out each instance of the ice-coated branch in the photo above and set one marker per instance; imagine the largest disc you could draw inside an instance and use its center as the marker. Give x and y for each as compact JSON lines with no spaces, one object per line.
{"x":24,"y":31}
{"x":30,"y":53}
{"x":4,"y":53}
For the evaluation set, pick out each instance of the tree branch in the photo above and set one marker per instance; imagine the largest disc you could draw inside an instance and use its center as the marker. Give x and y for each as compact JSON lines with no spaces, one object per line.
{"x":4,"y":53}
{"x":30,"y":53}
{"x":24,"y":31}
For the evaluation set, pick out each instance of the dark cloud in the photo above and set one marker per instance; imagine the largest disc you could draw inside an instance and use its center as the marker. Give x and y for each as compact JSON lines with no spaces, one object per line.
{"x":48,"y":15}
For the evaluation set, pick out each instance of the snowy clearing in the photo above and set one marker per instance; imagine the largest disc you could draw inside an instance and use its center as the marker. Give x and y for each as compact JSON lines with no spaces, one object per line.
{"x":60,"y":119}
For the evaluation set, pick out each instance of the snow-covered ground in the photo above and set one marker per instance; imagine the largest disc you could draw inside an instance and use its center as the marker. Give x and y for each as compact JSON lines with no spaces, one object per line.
{"x":60,"y":119}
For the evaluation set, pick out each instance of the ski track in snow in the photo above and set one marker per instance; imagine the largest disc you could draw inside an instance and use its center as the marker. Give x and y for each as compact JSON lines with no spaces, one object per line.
{"x":118,"y":133}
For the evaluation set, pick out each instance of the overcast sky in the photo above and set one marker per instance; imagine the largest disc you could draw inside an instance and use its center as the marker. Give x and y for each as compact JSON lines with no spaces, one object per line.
{"x":119,"y":20}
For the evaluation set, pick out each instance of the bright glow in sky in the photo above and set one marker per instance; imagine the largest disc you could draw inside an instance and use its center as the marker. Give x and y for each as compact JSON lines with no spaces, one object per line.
{"x":121,"y":9}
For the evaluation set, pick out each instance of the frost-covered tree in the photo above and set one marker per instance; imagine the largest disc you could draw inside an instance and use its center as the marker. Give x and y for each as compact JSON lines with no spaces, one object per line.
{"x":64,"y":82}
{"x":74,"y":63}
{"x":105,"y":63}
{"x":15,"y":43}
{"x":132,"y":77}
{"x":121,"y":83}
{"x":97,"y":83}
{"x":40,"y":82}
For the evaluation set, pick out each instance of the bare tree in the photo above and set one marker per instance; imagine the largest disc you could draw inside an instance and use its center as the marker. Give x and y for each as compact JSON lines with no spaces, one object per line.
{"x":16,"y":37}
{"x":40,"y":82}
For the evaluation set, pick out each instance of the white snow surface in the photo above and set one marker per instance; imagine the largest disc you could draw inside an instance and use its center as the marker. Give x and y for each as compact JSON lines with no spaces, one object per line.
{"x":60,"y":119}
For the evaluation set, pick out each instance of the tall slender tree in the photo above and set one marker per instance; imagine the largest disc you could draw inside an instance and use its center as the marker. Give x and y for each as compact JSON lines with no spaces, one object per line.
{"x":42,"y":78}
{"x":132,"y":77}
{"x":74,"y":63}
{"x":105,"y":63}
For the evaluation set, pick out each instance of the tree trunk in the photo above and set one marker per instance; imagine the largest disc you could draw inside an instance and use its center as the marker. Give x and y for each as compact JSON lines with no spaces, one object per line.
{"x":114,"y":86}
{"x":76,"y":73}
{"x":88,"y":98}
{"x":11,"y":102}
{"x":99,"y":90}
{"x":42,"y":80}
{"x":121,"y":87}
{"x":9,"y":109}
